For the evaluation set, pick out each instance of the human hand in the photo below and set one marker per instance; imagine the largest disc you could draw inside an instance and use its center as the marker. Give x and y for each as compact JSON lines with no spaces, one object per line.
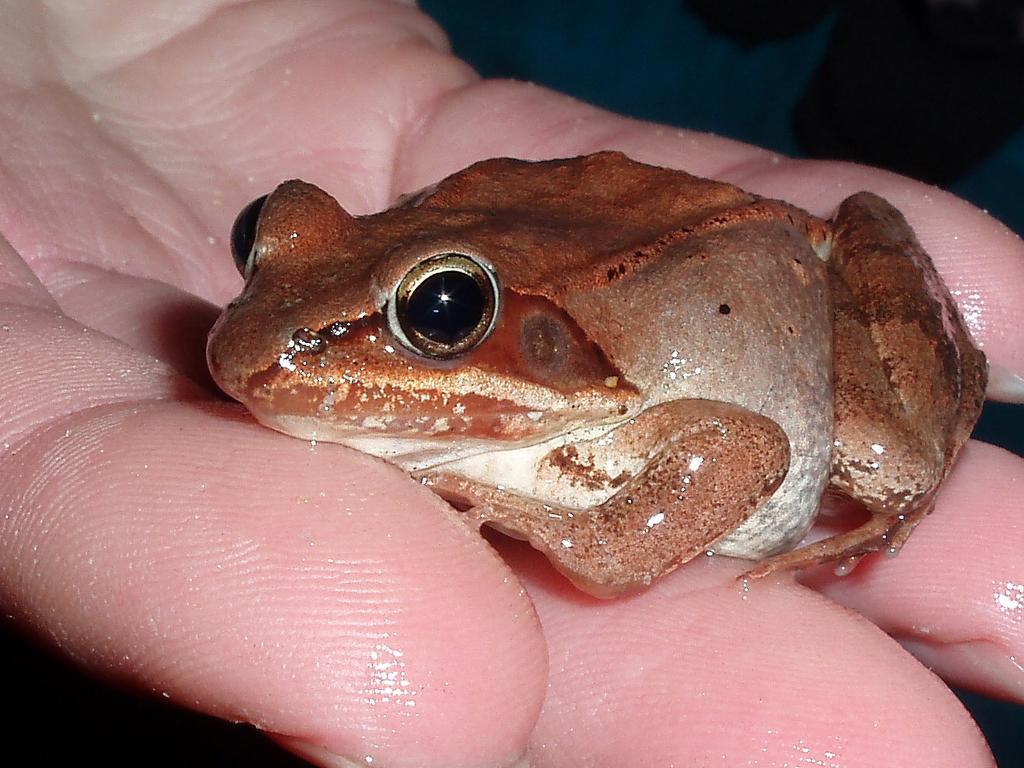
{"x":160,"y":538}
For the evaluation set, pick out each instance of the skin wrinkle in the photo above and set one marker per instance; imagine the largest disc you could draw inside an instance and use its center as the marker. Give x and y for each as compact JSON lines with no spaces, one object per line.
{"x":88,"y":255}
{"x":49,"y":17}
{"x":740,"y":171}
{"x":412,"y":132}
{"x":189,"y":266}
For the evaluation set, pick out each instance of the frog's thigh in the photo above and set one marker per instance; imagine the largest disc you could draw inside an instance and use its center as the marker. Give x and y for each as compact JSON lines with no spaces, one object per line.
{"x":708,"y":467}
{"x":909,"y":384}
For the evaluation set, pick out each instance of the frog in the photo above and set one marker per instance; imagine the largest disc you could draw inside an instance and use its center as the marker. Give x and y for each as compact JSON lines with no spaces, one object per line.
{"x":625,"y":365}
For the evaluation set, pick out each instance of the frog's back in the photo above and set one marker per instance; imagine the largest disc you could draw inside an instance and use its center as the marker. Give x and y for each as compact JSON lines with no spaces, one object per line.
{"x":548,"y":226}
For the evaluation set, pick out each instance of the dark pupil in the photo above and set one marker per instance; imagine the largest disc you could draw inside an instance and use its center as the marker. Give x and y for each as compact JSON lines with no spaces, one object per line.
{"x":243,"y":232}
{"x":445,"y":307}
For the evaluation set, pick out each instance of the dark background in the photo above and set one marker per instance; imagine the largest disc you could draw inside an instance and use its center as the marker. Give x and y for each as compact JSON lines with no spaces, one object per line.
{"x":931,"y":89}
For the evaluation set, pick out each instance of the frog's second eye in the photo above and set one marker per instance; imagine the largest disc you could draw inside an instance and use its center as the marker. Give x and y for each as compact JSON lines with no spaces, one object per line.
{"x":243,"y":235}
{"x":444,"y":306}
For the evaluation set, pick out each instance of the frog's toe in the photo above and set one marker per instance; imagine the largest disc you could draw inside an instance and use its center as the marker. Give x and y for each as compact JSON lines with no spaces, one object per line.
{"x":882,"y":532}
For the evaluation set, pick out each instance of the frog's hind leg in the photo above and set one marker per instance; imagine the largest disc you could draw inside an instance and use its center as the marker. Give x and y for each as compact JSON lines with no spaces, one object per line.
{"x":880,"y":532}
{"x":909,"y":382}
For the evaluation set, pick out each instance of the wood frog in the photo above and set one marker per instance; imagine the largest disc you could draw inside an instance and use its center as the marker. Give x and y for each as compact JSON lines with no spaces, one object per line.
{"x":626,"y":365}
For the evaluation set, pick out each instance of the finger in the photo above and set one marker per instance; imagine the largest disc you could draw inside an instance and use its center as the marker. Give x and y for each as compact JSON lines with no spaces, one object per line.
{"x":700,"y":671}
{"x":311,"y":591}
{"x":505,"y":118}
{"x":180,"y":550}
{"x":955,"y":594}
{"x":152,"y":317}
{"x":980,"y":259}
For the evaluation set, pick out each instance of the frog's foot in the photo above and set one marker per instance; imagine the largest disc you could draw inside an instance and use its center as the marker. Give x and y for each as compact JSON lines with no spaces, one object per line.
{"x":706,"y":467}
{"x":883,"y":532}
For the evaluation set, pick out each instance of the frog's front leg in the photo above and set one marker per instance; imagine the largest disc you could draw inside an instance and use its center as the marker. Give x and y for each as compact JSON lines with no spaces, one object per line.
{"x":705,"y":467}
{"x":909,"y":382}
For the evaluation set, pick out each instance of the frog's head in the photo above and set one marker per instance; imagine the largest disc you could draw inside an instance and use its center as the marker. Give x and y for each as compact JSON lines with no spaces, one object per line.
{"x":403,"y":332}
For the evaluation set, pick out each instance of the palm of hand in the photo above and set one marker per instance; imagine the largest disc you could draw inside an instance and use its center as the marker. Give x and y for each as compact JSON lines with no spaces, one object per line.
{"x":160,"y":537}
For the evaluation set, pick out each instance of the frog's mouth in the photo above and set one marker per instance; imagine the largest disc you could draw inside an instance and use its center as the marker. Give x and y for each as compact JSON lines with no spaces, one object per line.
{"x":521,"y":469}
{"x":430,"y":419}
{"x":478,"y":457}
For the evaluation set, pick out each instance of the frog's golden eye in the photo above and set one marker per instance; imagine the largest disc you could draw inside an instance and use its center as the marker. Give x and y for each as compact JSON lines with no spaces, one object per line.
{"x":243,"y":235}
{"x":445,"y":305}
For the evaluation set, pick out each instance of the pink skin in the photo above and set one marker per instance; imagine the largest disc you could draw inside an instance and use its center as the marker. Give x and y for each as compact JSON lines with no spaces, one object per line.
{"x":160,"y":538}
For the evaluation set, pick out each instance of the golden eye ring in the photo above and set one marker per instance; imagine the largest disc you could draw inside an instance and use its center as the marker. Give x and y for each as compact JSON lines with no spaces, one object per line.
{"x":445,"y":306}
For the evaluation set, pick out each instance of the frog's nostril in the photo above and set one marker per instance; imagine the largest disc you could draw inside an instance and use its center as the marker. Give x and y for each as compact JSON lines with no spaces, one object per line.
{"x":243,"y":234}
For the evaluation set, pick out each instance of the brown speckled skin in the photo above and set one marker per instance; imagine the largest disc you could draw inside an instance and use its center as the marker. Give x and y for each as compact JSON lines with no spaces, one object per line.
{"x":659,"y":381}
